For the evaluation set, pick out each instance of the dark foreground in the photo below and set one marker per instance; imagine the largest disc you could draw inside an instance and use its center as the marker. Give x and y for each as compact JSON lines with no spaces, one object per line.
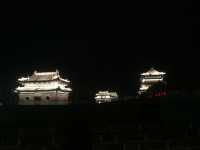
{"x":154,"y":124}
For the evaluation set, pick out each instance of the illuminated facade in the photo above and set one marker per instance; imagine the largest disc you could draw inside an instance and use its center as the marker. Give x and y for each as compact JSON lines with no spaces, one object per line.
{"x":149,"y":78}
{"x":105,"y":96}
{"x":43,"y":88}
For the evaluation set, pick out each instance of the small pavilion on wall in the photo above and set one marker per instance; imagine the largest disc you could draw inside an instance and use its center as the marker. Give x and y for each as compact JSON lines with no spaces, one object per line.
{"x":105,"y":96}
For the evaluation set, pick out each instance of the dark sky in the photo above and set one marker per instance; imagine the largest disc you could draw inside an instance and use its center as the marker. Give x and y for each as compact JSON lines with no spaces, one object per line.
{"x":116,"y":46}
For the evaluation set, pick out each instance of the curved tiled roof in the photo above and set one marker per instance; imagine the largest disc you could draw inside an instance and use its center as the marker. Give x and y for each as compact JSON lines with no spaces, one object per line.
{"x":43,"y":76}
{"x":152,"y":71}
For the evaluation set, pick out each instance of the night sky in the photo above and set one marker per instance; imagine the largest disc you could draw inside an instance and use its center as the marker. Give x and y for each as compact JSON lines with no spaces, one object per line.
{"x":116,"y":47}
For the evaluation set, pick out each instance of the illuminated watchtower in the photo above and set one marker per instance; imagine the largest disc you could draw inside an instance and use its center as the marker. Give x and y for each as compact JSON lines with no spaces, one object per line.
{"x":105,"y":96}
{"x":43,"y":88}
{"x":149,"y":78}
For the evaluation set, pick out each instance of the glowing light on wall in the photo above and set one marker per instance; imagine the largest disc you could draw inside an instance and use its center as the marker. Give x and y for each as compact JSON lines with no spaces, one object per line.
{"x":158,"y":94}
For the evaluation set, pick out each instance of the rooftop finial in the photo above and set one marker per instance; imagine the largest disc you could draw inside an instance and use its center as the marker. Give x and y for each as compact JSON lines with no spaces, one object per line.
{"x":57,"y":71}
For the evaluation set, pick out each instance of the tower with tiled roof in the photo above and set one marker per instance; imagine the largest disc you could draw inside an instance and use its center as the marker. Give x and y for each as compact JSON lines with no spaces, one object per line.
{"x":149,"y":78}
{"x":43,"y":88}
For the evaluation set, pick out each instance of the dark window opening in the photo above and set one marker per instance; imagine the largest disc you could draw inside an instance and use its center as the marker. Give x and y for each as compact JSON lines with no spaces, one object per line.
{"x":47,"y":97}
{"x":37,"y":98}
{"x":27,"y":98}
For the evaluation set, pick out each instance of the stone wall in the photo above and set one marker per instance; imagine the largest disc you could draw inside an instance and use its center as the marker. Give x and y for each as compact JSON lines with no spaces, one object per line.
{"x":43,"y":98}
